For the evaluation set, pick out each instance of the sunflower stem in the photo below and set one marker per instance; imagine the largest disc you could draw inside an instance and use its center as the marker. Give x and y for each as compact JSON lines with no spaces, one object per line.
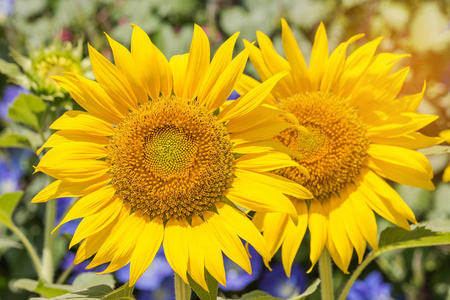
{"x":30,"y":249}
{"x":326,"y":275}
{"x":49,"y":241}
{"x":182,"y":289}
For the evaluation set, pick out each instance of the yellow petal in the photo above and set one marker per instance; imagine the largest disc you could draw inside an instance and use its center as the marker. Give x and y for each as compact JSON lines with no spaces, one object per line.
{"x":295,"y":58}
{"x":146,"y":248}
{"x":219,"y":63}
{"x":176,"y":246}
{"x":125,"y":63}
{"x":59,"y":188}
{"x":198,"y":63}
{"x":178,"y":64}
{"x":96,"y":222}
{"x":239,"y":223}
{"x":89,"y":204}
{"x":99,"y":104}
{"x":275,"y":63}
{"x":196,"y":267}
{"x":251,"y":100}
{"x":264,"y":162}
{"x":74,"y":138}
{"x":246,"y":83}
{"x":82,"y":121}
{"x":227,"y":81}
{"x":294,"y":236}
{"x":401,"y":165}
{"x":319,"y":57}
{"x":230,"y":243}
{"x":274,"y":232}
{"x":111,"y":79}
{"x":317,"y":224}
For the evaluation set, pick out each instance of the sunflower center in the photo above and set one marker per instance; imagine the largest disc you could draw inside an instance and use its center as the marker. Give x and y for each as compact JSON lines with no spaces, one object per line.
{"x":335,"y":148}
{"x":171,"y":158}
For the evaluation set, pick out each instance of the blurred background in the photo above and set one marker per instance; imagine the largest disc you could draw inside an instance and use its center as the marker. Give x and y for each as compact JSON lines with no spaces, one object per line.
{"x":46,"y":37}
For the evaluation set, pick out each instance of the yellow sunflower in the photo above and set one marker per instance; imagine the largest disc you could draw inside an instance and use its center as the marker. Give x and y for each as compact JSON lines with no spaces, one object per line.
{"x":158,"y":160}
{"x":358,"y":132}
{"x":445,"y":135}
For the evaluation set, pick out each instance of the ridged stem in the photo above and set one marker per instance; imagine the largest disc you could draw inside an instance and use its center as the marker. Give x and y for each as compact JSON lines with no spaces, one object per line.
{"x":182,"y":290}
{"x":326,"y":275}
{"x":49,"y":241}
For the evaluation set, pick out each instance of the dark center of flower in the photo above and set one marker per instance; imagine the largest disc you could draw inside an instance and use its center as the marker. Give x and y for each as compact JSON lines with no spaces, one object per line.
{"x":171,"y":158}
{"x":335,"y":148}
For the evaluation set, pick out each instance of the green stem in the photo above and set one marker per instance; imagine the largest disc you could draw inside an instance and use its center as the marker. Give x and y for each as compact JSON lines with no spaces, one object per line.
{"x":182,"y":289}
{"x":326,"y":275}
{"x":62,"y":278}
{"x":355,"y":275}
{"x":49,"y":241}
{"x":30,"y":249}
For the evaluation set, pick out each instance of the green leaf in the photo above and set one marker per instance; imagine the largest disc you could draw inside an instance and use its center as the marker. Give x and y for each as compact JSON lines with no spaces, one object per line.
{"x":9,"y":139}
{"x":91,"y":293}
{"x":398,"y":238}
{"x":311,"y":289}
{"x":88,"y":279}
{"x":9,"y":69}
{"x":213,"y":286}
{"x":8,"y":203}
{"x":44,"y":289}
{"x":26,"y":109}
{"x":123,"y":293}
{"x":258,"y":295}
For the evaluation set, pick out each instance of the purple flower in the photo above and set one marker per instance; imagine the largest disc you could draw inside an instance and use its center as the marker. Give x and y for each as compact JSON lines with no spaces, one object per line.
{"x":6,"y":7}
{"x":234,"y":95}
{"x":166,"y":291}
{"x":12,"y":168}
{"x":153,"y":277}
{"x":67,"y":262}
{"x":277,"y":284}
{"x":237,"y":278}
{"x":371,"y":288}
{"x":10,"y":94}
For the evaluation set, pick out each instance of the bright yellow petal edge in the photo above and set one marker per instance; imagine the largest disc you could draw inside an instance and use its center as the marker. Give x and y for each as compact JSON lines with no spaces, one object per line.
{"x":158,"y":160}
{"x":358,"y":132}
{"x":445,"y":135}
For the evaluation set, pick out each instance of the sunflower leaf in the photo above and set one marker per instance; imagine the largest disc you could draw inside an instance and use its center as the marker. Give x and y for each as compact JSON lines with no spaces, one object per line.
{"x":44,"y":289}
{"x":88,"y":279}
{"x":8,"y":203}
{"x":311,"y":289}
{"x":258,"y":295}
{"x":91,"y":293}
{"x":27,"y":109}
{"x":123,"y":293}
{"x":213,"y":286}
{"x":397,"y":238}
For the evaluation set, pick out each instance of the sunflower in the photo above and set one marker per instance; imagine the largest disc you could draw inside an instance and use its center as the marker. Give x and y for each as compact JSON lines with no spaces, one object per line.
{"x":358,"y":132}
{"x":445,"y":135}
{"x":160,"y":158}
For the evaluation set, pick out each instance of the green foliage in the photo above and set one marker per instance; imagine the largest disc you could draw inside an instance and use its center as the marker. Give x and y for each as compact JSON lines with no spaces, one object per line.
{"x":44,"y":289}
{"x":27,"y":109}
{"x":8,"y":203}
{"x":213,"y":286}
{"x":95,"y":292}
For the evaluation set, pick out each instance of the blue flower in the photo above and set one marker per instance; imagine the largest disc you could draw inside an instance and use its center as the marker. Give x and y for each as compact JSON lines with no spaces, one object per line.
{"x":12,"y":168}
{"x":234,"y":95}
{"x":67,"y":262}
{"x":6,"y":8}
{"x":237,"y":278}
{"x":153,"y":277}
{"x":277,"y":284}
{"x":166,"y":291}
{"x":371,"y":288}
{"x":10,"y":94}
